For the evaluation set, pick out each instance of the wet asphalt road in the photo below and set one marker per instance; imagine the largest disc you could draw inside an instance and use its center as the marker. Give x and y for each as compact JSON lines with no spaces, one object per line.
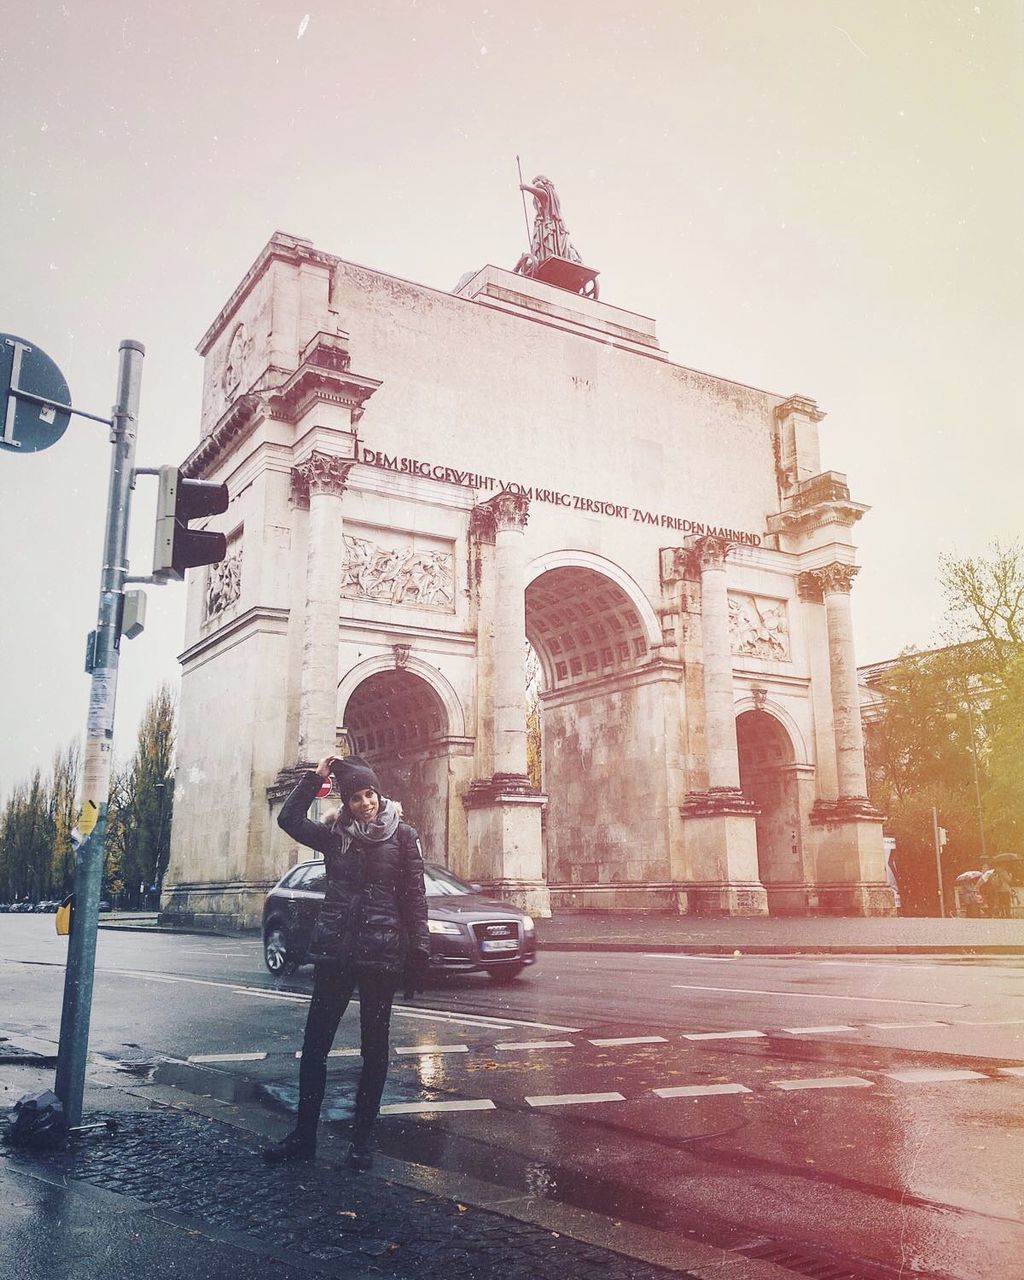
{"x":865,"y":1106}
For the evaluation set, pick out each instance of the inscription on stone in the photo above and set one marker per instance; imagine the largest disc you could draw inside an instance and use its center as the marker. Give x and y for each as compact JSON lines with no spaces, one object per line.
{"x":399,"y":572}
{"x":758,"y":626}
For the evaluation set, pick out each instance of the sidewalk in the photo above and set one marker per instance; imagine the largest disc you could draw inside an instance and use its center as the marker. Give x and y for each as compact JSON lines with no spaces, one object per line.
{"x":179,"y":1190}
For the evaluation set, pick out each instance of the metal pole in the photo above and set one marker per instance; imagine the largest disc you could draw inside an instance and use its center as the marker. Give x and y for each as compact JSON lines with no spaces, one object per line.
{"x":938,"y":860}
{"x":92,"y":821}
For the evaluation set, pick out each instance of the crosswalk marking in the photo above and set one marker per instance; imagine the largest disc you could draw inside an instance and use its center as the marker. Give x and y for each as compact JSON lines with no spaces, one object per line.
{"x":824,"y":1082}
{"x":509,"y":1045}
{"x":810,"y":995}
{"x":226,"y":1057}
{"x":818,"y":1031}
{"x":420,"y":1108}
{"x":571,"y":1099}
{"x":700,"y":1090}
{"x":723,"y":1035}
{"x":630,"y":1040}
{"x":1011,"y":1071}
{"x":928,"y":1075}
{"x":423,"y":1050}
{"x":904,"y":1026}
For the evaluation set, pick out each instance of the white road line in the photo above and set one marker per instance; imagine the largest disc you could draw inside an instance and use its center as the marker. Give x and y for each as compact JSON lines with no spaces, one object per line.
{"x":268,"y":995}
{"x":572,"y":1099}
{"x":337,"y":1053}
{"x":818,"y":1031}
{"x":419,"y":1108}
{"x":806,"y":995}
{"x":535,"y":1044}
{"x":422,"y":1050}
{"x":226,"y":1057}
{"x":723,"y":1035}
{"x":630,"y":1040}
{"x":904,"y":1026}
{"x":1011,"y":1071}
{"x":823,"y":1082}
{"x":700,"y":1090}
{"x":928,"y":1075}
{"x":483,"y":1020}
{"x":997,"y":1022}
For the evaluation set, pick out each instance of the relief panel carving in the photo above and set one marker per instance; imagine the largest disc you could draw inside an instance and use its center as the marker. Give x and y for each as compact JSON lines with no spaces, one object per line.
{"x":224,"y":582}
{"x":758,"y":626}
{"x":399,"y":568}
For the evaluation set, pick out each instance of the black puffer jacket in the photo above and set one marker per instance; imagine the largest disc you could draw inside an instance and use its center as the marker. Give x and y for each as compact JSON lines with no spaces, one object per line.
{"x":375,"y":911}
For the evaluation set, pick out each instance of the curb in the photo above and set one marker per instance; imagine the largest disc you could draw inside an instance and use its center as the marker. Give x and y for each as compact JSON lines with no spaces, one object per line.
{"x":765,"y":949}
{"x":167,"y":929}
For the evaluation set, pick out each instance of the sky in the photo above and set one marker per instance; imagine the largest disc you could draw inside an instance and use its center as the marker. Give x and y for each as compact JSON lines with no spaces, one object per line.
{"x":819,"y":197}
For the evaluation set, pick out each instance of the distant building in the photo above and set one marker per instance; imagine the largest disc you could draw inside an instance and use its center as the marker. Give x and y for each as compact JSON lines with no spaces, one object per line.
{"x":421,"y":482}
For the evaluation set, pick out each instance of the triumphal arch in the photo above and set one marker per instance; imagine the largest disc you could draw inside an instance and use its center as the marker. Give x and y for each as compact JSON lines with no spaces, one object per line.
{"x":426,"y":484}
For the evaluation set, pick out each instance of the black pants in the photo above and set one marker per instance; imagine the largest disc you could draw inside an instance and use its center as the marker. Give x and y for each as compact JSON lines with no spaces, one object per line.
{"x":332,"y":990}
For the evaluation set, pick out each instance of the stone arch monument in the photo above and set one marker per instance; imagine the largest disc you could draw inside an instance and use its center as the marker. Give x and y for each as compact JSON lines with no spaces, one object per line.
{"x":421,"y":483}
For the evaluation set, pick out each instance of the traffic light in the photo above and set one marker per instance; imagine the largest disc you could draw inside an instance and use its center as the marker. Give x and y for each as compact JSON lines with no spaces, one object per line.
{"x":176,"y":546}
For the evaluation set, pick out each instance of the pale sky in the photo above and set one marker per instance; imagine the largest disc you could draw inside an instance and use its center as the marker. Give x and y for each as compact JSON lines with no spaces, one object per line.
{"x":820,"y":197}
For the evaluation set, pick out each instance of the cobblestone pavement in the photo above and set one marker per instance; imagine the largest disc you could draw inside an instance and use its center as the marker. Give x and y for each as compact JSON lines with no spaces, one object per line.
{"x":209,"y":1171}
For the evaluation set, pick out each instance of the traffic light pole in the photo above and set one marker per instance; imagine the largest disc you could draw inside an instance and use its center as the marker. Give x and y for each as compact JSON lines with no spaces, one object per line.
{"x":102,"y":664}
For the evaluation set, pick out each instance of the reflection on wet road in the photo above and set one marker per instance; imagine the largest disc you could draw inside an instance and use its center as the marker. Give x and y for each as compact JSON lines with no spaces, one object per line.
{"x":865,"y":1108}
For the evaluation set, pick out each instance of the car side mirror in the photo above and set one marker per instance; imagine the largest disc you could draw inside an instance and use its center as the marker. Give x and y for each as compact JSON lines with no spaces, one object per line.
{"x":476,"y":888}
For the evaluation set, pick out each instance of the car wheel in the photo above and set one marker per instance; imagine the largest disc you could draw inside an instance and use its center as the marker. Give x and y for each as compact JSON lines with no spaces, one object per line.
{"x":275,"y":952}
{"x":502,"y":973}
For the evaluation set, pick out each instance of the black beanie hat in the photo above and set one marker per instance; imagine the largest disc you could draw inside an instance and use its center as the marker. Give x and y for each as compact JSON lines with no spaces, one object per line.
{"x":353,"y":774}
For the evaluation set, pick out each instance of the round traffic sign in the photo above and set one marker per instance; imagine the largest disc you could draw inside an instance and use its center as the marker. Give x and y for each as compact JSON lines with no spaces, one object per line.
{"x":25,"y":425}
{"x":325,"y":789}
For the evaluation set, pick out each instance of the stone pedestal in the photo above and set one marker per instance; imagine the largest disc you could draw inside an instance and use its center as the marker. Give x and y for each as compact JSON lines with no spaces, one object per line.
{"x":503,"y":815}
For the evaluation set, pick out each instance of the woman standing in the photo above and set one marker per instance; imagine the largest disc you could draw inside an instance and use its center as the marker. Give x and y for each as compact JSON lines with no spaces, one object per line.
{"x":371,"y":933}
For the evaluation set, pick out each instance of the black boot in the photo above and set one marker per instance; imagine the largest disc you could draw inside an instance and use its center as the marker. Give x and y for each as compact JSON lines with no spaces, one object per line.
{"x":295,"y":1146}
{"x":360,"y":1157}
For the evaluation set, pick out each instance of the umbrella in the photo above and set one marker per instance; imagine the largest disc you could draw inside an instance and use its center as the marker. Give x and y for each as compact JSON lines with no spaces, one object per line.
{"x":968,"y":877}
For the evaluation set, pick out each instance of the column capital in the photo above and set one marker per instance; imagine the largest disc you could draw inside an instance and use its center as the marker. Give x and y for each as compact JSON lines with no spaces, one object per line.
{"x":835,"y":578}
{"x":709,"y":552}
{"x":511,"y":510}
{"x":481,"y":523}
{"x":322,"y":473}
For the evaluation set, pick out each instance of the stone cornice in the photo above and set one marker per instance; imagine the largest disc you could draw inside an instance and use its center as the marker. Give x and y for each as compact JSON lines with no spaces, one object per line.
{"x":311,"y":383}
{"x":501,"y":789}
{"x":238,"y":419}
{"x":719,"y":802}
{"x":799,"y":404}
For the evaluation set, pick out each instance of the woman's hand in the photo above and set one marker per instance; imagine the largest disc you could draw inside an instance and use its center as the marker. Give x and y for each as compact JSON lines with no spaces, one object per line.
{"x":323,"y":769}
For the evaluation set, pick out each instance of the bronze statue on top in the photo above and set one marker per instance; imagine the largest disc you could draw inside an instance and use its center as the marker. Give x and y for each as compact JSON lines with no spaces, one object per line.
{"x":551,"y":256}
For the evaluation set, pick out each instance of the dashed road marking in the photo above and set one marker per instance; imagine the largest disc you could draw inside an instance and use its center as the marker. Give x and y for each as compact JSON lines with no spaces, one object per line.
{"x":572,"y":1099}
{"x":824,"y":1082}
{"x":616,"y":1040}
{"x":536,"y":1044}
{"x":818,"y":1031}
{"x":932,"y":1075}
{"x":421,"y":1108}
{"x":226,"y":1057}
{"x":723,"y":1035}
{"x":700,"y":1090}
{"x":1011,"y":1071}
{"x":904,"y":1026}
{"x":422,"y":1050}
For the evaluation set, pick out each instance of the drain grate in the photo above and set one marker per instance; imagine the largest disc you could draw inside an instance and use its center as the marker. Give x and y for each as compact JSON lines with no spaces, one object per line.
{"x":820,"y":1266}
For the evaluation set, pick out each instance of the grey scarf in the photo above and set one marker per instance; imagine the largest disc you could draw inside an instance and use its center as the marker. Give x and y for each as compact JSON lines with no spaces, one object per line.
{"x":383,"y":827}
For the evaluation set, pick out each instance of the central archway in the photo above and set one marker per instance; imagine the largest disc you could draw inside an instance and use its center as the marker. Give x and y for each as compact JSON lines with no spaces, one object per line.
{"x":602,"y":729}
{"x":398,"y":723}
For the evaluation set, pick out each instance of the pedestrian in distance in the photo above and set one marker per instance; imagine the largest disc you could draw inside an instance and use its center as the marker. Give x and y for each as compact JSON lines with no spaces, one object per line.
{"x":371,"y":933}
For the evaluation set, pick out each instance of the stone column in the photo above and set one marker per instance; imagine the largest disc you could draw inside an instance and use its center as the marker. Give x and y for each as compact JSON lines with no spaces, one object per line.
{"x":503,"y":809}
{"x":323,"y":476}
{"x":835,"y":582}
{"x":511,"y":512}
{"x":718,"y":871}
{"x":720,"y":724}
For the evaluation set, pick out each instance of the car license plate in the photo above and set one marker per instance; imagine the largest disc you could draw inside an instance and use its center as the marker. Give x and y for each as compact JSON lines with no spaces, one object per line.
{"x":501,"y":944}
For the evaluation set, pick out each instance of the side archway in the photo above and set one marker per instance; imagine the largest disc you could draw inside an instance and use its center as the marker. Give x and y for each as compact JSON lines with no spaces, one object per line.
{"x":769,"y":778}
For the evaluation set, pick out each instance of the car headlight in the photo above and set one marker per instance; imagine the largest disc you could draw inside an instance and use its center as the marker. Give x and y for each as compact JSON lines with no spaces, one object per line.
{"x":528,"y":925}
{"x":442,"y":926}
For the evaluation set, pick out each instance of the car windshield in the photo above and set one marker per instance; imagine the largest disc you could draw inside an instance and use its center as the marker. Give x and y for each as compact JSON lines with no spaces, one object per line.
{"x":440,"y":883}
